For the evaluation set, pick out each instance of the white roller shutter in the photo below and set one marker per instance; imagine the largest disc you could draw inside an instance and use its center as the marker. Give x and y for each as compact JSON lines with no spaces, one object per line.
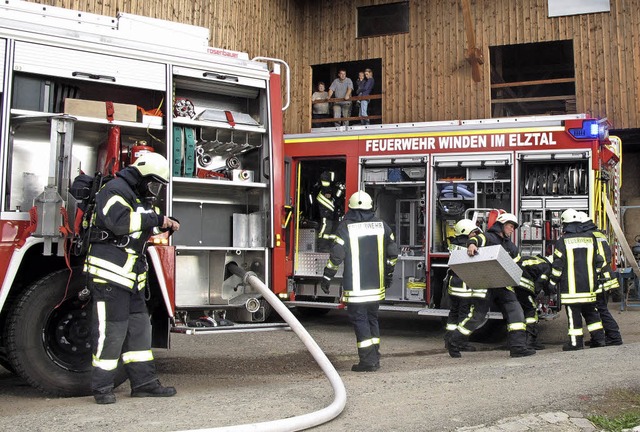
{"x":89,"y":66}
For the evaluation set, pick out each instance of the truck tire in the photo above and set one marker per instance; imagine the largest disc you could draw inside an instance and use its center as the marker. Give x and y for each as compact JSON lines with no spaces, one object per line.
{"x":49,"y":336}
{"x":5,"y":364}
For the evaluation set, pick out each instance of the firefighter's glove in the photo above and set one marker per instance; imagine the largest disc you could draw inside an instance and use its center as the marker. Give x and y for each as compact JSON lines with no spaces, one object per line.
{"x":325,"y":285}
{"x":388,"y":275}
{"x":551,"y":289}
{"x":170,"y":224}
{"x":388,"y":280}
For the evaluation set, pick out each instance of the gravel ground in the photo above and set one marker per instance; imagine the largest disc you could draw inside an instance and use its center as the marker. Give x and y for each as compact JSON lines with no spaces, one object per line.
{"x":253,"y":377}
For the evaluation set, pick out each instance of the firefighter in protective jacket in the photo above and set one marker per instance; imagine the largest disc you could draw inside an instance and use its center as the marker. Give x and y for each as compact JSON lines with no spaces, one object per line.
{"x":368,"y":249}
{"x":498,"y":234}
{"x":461,"y":297}
{"x":116,"y":265}
{"x":534,"y":279}
{"x":612,"y":334}
{"x":578,"y":262}
{"x":327,"y":199}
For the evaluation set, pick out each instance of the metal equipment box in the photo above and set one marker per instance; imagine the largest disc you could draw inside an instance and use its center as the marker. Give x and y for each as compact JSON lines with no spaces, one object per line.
{"x":492,"y":267}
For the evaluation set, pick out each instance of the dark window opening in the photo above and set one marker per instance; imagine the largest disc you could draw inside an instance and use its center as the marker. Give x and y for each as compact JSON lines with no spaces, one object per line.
{"x":385,"y":19}
{"x":326,"y":73}
{"x":533,"y":79}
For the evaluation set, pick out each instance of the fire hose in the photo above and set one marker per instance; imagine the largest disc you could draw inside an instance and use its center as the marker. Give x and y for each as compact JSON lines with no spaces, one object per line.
{"x":304,"y":421}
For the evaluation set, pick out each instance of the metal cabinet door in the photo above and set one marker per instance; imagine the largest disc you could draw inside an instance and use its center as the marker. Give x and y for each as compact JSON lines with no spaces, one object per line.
{"x":3,"y":50}
{"x":88,"y":66}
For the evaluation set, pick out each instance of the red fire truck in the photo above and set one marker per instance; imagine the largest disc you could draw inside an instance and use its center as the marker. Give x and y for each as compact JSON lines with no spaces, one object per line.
{"x":424,"y":177}
{"x":84,"y":92}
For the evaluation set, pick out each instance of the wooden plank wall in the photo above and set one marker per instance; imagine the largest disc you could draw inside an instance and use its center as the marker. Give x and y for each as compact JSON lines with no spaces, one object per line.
{"x":425,"y":76}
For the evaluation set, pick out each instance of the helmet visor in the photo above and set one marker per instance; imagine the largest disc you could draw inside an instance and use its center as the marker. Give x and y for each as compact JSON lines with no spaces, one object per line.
{"x":153,"y":188}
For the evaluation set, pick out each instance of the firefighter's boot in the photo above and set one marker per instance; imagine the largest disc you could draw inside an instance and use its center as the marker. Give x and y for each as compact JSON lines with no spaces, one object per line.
{"x":532,"y":337}
{"x":369,"y":359}
{"x":153,"y":389}
{"x":467,"y":347}
{"x":362,"y":367}
{"x":518,"y":344}
{"x":574,"y":345}
{"x":447,"y":336}
{"x":457,"y":342}
{"x":104,"y":398}
{"x":598,"y":339}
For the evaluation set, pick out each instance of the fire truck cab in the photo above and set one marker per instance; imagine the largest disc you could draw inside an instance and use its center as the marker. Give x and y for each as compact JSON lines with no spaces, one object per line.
{"x":81,"y":92}
{"x":425,"y":177}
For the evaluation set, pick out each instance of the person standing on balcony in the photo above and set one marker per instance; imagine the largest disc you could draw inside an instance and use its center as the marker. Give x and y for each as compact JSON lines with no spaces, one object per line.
{"x":341,"y":88}
{"x":364,"y":89}
{"x":320,"y":110}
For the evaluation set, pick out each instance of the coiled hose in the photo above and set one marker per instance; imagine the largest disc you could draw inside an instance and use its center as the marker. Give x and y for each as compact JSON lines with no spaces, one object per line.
{"x":304,"y":421}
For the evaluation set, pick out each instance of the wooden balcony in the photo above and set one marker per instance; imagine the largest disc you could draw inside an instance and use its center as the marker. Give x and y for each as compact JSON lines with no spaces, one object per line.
{"x":327,"y":122}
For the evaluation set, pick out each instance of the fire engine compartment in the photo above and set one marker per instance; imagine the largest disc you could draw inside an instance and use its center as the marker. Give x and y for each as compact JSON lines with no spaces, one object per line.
{"x":209,"y":116}
{"x":422,"y":195}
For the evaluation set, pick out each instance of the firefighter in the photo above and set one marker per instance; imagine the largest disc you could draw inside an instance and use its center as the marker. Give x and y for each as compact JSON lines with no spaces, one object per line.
{"x":498,"y":234}
{"x":368,"y":249}
{"x":612,"y":334}
{"x":327,"y":197}
{"x":116,"y":267}
{"x":534,"y":279}
{"x":461,"y":297}
{"x":577,"y":267}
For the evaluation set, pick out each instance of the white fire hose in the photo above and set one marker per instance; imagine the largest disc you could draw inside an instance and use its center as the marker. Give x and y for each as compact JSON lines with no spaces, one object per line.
{"x":304,"y":421}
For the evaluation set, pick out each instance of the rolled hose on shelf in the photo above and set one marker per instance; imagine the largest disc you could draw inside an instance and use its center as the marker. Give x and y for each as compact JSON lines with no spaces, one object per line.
{"x":304,"y":421}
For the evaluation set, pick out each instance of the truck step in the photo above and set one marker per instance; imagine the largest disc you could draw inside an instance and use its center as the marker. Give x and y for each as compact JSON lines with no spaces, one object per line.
{"x":236,"y":328}
{"x":420,"y":310}
{"x":312,"y":304}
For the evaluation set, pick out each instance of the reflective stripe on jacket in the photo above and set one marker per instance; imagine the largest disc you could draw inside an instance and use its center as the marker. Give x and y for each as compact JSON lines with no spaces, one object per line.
{"x":577,"y":267}
{"x":368,"y":249}
{"x":120,"y":212}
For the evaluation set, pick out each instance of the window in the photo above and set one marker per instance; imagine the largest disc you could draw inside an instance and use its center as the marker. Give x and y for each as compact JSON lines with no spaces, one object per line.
{"x":535,"y":78}
{"x":385,"y":19}
{"x":326,"y":73}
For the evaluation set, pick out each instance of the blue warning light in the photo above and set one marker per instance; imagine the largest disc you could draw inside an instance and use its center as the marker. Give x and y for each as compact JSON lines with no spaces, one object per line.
{"x":591,"y":129}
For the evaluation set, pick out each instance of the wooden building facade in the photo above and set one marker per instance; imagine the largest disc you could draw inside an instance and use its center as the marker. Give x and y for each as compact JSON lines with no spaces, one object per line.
{"x":424,"y":75}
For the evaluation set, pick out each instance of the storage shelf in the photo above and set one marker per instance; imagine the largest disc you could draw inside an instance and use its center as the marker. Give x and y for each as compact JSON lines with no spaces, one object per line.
{"x":220,"y":183}
{"x":88,"y":120}
{"x":218,"y":248}
{"x":183,"y":121}
{"x":211,"y":191}
{"x":401,"y":183}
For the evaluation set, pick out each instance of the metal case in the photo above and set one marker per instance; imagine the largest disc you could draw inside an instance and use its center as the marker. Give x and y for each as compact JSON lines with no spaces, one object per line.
{"x":492,"y":267}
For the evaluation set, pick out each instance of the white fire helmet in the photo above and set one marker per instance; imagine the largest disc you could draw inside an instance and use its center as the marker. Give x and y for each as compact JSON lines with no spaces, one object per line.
{"x":153,"y":165}
{"x":360,"y":201}
{"x":465,"y":227}
{"x":569,"y":215}
{"x":508,"y":217}
{"x":583,"y":217}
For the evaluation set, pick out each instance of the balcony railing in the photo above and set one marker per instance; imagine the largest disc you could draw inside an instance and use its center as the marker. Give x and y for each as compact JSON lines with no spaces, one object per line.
{"x":330,"y":121}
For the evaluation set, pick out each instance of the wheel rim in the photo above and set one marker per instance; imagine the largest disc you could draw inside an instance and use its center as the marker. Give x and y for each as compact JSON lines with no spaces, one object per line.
{"x":67,"y":335}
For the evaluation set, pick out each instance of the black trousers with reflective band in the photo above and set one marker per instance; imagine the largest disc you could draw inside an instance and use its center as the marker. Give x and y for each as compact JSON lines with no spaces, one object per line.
{"x":364,"y":318}
{"x":120,"y":327}
{"x":611,"y":328}
{"x":575,"y":313}
{"x":459,"y":309}
{"x":528,"y":303}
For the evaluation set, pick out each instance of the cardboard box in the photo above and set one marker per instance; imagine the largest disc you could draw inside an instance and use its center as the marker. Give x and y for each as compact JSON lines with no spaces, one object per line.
{"x":492,"y":267}
{"x":98,"y":109}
